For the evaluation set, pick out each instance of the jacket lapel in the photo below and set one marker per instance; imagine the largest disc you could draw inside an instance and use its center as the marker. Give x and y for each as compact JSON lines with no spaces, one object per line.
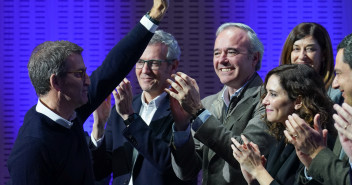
{"x":242,"y":105}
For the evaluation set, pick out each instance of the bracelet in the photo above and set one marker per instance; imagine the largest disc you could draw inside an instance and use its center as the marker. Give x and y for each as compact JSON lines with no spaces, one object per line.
{"x":151,"y":19}
{"x":197,"y":114}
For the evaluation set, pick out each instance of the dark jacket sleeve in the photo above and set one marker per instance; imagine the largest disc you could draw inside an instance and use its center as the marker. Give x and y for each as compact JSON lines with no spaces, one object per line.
{"x":153,"y":147}
{"x":117,"y":64}
{"x":327,"y":169}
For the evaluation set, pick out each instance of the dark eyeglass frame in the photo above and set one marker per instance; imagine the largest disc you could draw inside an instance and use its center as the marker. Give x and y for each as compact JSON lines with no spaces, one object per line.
{"x":150,"y":63}
{"x":79,"y":73}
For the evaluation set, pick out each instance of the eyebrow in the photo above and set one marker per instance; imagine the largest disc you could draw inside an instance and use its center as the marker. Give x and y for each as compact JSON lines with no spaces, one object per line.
{"x":306,"y":45}
{"x":270,"y":90}
{"x":229,"y":48}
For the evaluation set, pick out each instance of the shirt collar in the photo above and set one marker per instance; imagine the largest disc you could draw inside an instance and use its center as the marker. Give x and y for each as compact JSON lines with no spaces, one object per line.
{"x":156,"y":101}
{"x":225,"y":93}
{"x":41,"y":108}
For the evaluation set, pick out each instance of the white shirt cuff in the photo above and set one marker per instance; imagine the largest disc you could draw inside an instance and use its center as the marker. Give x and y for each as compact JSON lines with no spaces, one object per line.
{"x":96,"y":143}
{"x":149,"y":25}
{"x":305,"y":174}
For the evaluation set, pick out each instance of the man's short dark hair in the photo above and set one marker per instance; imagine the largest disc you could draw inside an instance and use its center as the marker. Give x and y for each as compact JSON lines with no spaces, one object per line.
{"x":49,"y":58}
{"x":346,"y":45}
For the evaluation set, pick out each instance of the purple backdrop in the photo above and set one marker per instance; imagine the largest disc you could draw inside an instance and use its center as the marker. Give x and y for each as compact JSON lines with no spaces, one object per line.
{"x":97,"y":25}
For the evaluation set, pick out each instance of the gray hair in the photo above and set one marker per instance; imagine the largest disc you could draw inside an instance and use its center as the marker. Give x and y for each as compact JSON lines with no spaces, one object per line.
{"x":173,"y":49}
{"x":255,"y":44}
{"x":49,"y":58}
{"x":346,"y":44}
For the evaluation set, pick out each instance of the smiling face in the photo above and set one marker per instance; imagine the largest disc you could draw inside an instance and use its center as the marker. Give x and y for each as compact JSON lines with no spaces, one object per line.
{"x":74,"y":88}
{"x":277,"y":103}
{"x":151,"y":81}
{"x":232,"y":61}
{"x":343,"y":77}
{"x":307,"y":51}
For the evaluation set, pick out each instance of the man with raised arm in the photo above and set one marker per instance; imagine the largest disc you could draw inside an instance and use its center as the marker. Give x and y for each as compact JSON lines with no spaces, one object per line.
{"x":50,"y":147}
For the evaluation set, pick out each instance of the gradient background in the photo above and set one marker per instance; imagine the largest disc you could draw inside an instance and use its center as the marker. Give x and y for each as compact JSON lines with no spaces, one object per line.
{"x":97,"y":25}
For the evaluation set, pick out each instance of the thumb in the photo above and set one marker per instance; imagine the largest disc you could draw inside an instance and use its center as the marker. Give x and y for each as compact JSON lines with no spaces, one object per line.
{"x":317,"y":125}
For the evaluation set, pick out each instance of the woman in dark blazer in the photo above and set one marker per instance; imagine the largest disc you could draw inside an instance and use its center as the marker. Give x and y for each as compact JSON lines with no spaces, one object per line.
{"x":289,"y":89}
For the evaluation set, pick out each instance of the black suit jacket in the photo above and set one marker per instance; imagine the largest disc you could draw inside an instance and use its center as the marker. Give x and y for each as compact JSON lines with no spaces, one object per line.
{"x":153,"y":163}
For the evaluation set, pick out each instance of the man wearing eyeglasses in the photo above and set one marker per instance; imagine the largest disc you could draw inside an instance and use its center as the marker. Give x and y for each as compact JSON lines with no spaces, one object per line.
{"x":51,"y":147}
{"x":135,"y":144}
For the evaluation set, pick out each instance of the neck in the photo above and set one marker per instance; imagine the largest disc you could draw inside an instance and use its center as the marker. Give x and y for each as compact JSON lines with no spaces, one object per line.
{"x":148,"y":96}
{"x":233,"y":88}
{"x":54,"y":104}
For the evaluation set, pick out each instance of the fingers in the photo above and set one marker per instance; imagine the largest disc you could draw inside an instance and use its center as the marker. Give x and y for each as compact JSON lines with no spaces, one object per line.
{"x":127,"y":86}
{"x":171,"y":93}
{"x":236,"y":149}
{"x":290,"y":130}
{"x":289,"y":137}
{"x":343,"y":117}
{"x":297,"y":124}
{"x":317,"y":125}
{"x":344,"y":131}
{"x":254,"y":146}
{"x":235,"y":152}
{"x":123,"y":91}
{"x":263,"y":159}
{"x":175,"y":86}
{"x":348,"y":108}
{"x":345,"y":111}
{"x":116,"y":95}
{"x":235,"y":142}
{"x":301,"y":128}
{"x":182,"y":81}
{"x":245,"y":142}
{"x":188,"y":80}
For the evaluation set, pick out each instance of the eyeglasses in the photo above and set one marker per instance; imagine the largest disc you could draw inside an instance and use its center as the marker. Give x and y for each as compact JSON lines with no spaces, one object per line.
{"x":152,"y":64}
{"x":80,"y":73}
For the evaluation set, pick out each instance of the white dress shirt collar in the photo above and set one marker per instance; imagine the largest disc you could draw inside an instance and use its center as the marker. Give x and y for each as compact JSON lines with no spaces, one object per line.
{"x":41,"y":108}
{"x":148,"y":109}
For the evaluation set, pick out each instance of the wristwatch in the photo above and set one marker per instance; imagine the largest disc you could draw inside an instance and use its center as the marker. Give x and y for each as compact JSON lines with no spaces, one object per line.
{"x":151,"y":19}
{"x":199,"y":111}
{"x":131,"y":119}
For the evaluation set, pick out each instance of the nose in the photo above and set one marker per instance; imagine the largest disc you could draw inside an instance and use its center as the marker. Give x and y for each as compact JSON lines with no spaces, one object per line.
{"x":86,"y":80}
{"x":265,"y":101}
{"x":302,"y":55}
{"x":145,"y":68}
{"x":335,"y":83}
{"x":223,"y":58}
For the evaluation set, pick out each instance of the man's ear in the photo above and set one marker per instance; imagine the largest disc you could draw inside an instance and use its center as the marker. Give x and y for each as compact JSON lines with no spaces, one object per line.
{"x":255,"y":59}
{"x":54,"y":82}
{"x":298,"y":102}
{"x":174,"y":66}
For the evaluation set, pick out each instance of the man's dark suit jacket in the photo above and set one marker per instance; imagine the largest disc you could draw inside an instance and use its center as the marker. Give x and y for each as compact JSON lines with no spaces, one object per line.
{"x":47,"y":153}
{"x":153,"y":164}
